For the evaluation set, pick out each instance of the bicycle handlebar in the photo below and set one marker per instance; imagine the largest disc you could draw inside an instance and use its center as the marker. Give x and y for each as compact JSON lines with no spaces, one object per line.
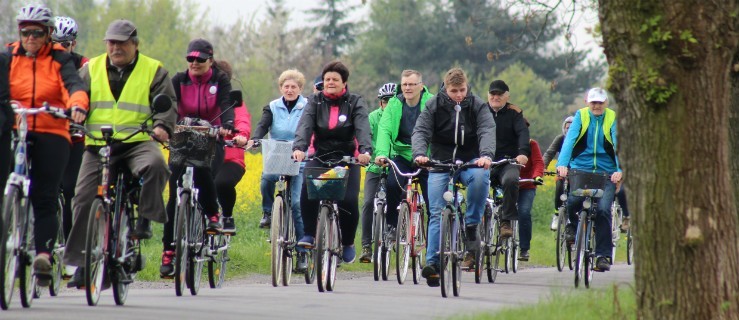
{"x":46,"y":108}
{"x":397,"y":170}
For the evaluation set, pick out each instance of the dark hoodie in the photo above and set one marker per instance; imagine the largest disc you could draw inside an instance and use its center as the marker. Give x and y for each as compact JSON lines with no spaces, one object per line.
{"x":437,"y":122}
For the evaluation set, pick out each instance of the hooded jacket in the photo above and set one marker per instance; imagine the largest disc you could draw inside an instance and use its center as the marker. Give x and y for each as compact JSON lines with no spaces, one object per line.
{"x":204,"y":97}
{"x":389,"y":126}
{"x":436,"y":127}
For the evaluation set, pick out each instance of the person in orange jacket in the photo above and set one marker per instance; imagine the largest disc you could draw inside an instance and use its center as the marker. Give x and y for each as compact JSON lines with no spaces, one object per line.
{"x":43,"y":72}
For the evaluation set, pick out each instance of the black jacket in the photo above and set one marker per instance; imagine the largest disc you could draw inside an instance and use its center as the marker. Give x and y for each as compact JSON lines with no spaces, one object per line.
{"x":338,"y":141}
{"x":435,"y":126}
{"x":512,"y":134}
{"x":6,"y":113}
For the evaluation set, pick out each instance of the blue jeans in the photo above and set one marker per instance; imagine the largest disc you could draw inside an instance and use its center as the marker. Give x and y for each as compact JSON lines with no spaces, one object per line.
{"x":477,"y":181}
{"x":268,"y":197}
{"x":525,"y":201}
{"x":603,"y":241}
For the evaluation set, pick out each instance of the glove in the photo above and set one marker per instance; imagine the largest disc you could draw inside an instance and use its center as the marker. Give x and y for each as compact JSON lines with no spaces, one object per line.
{"x":228,"y":125}
{"x":539,"y":181}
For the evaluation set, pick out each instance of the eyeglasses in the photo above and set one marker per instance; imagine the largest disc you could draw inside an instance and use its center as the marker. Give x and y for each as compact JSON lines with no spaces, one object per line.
{"x":36,"y":33}
{"x":193,"y":59}
{"x":408,"y":85}
{"x":65,"y":44}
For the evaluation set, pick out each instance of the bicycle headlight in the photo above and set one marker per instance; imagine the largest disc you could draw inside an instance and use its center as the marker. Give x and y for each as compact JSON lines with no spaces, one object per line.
{"x":448,"y":196}
{"x":587,"y":203}
{"x":563,"y":197}
{"x":381,"y":194}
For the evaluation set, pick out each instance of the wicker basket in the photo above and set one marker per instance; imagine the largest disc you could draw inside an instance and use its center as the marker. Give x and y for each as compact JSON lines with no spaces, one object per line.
{"x":586,"y":180}
{"x":277,"y":158}
{"x":326,"y":183}
{"x":192,"y":146}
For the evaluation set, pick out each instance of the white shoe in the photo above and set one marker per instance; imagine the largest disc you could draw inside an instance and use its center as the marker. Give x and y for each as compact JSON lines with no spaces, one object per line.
{"x":69,"y":271}
{"x":555,"y":222}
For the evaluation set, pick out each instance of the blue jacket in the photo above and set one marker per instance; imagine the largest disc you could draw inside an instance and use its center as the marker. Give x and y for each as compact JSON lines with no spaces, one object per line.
{"x":595,"y":156}
{"x":280,"y":123}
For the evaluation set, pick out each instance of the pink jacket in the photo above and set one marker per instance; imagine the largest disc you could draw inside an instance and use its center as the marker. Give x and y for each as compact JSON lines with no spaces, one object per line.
{"x":243,"y":124}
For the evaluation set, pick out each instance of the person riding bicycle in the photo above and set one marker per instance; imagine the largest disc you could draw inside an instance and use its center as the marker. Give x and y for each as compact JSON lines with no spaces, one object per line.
{"x":122,"y":83}
{"x":526,"y":193}
{"x":436,"y":128}
{"x":280,"y":118}
{"x":202,"y":92}
{"x":372,"y":175}
{"x":42,"y":72}
{"x":394,"y":140}
{"x":337,"y":119}
{"x":590,"y":145}
{"x":65,"y":34}
{"x":549,"y":155}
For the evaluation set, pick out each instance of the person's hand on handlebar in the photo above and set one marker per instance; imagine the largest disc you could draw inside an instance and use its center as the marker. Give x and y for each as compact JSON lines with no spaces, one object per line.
{"x":522,"y":159}
{"x":250,"y":144}
{"x":562,"y":171}
{"x":422,"y":160}
{"x":240,"y":140}
{"x":160,"y":134}
{"x":364,"y":158}
{"x":78,"y":114}
{"x":380,"y":161}
{"x":484,"y":162}
{"x":298,"y":155}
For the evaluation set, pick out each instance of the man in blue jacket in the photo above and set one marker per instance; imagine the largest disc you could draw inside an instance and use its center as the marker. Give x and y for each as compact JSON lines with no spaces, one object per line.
{"x":590,"y":146}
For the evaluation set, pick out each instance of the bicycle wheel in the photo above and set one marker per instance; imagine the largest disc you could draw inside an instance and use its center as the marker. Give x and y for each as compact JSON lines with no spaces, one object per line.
{"x":590,"y":256}
{"x":197,"y":241}
{"x":58,"y":253}
{"x":9,"y":242}
{"x":615,"y":228}
{"x":480,"y":254}
{"x":26,"y":277}
{"x":277,"y":240}
{"x":493,"y":264}
{"x":457,"y":256}
{"x":507,"y":246}
{"x":310,"y":271}
{"x":119,"y":280}
{"x":580,"y":240}
{"x":516,"y":248}
{"x":419,"y":244}
{"x":217,"y":264}
{"x":445,"y":254}
{"x":629,"y":247}
{"x":334,"y":244}
{"x":378,"y":228}
{"x":561,"y":239}
{"x":96,"y":251}
{"x":403,"y":243}
{"x":289,"y":244}
{"x":181,"y":243}
{"x":322,"y":251}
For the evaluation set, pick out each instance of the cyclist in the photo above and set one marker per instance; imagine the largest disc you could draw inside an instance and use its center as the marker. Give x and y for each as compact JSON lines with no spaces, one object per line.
{"x":232,"y":170}
{"x":526,"y":193}
{"x":65,"y":34}
{"x":116,"y":78}
{"x":590,"y":145}
{"x":436,"y":128}
{"x":42,"y":72}
{"x":202,"y":92}
{"x":280,"y":118}
{"x":337,"y":119}
{"x":394,"y":139}
{"x":549,"y":155}
{"x":372,"y":176}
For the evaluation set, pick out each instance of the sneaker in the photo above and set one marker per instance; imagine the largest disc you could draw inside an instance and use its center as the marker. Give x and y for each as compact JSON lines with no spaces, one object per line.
{"x":266,"y":220}
{"x":366,"y":256}
{"x":602,"y":264}
{"x":390,"y":237}
{"x":524,"y":255}
{"x":68,"y":272}
{"x":229,"y":226}
{"x":214,"y":223}
{"x":625,"y":225}
{"x":570,"y":233}
{"x":348,"y":254}
{"x":167,"y":268}
{"x":78,"y":279}
{"x":505,"y":229}
{"x":469,"y":261}
{"x":42,"y":269}
{"x":143,"y":229}
{"x":302,"y":263}
{"x":431,"y":273}
{"x":307,"y":242}
{"x":555,"y":222}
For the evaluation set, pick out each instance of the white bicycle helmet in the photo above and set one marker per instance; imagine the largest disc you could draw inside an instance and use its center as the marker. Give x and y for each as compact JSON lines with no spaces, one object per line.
{"x":37,"y":13}
{"x":386,"y":91}
{"x":65,"y":29}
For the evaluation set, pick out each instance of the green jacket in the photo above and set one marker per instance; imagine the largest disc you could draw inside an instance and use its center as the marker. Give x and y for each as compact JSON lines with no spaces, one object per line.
{"x":374,"y":120}
{"x":387,"y":135}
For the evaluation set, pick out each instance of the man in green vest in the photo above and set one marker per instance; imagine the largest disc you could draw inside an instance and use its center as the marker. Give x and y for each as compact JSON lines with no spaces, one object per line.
{"x":122,"y":84}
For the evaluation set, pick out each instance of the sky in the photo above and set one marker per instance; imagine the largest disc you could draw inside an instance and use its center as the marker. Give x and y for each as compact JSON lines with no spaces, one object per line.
{"x":227,"y":11}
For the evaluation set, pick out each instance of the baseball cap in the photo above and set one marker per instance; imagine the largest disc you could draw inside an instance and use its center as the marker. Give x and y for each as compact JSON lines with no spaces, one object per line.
{"x":597,"y":94}
{"x":120,"y":30}
{"x":498,"y":86}
{"x":200,"y":48}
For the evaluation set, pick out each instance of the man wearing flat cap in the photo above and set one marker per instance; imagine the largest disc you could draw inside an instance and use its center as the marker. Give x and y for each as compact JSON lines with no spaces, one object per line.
{"x":512,"y":141}
{"x":122,"y":84}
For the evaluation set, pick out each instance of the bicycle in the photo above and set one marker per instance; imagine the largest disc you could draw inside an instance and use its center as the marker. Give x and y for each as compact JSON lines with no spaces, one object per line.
{"x":410,"y":239}
{"x":328,"y":185}
{"x":380,"y":245}
{"x":590,"y":186}
{"x":17,"y":248}
{"x":112,"y":256}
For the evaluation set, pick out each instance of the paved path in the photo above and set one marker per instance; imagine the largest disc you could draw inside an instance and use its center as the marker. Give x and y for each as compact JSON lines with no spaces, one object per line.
{"x":357,"y":298}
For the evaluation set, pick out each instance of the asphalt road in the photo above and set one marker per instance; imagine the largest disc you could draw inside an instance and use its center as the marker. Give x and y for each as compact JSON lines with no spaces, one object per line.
{"x":356,"y":297}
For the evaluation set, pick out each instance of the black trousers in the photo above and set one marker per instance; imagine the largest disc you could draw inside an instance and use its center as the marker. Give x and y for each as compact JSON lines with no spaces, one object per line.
{"x":69,"y":181}
{"x":227,"y":178}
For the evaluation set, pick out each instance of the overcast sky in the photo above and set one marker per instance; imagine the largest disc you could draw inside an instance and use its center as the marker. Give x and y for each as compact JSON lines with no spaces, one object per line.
{"x":227,"y":11}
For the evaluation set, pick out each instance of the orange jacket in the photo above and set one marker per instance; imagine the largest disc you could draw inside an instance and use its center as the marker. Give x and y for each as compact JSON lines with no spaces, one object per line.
{"x":51,"y":76}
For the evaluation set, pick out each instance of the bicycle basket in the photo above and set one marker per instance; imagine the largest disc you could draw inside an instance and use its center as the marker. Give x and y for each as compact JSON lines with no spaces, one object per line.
{"x":326,"y":183}
{"x":586,"y":180}
{"x":194,"y":146}
{"x":277,"y":158}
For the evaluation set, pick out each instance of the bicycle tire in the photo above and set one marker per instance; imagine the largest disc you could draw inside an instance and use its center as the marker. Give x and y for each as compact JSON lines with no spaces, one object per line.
{"x":218,"y":264}
{"x":26,"y":277}
{"x":181,"y":239}
{"x":322,"y":251}
{"x":590,"y":258}
{"x":378,"y":228}
{"x":58,"y":253}
{"x":197,"y":242}
{"x":385,"y":258}
{"x":507,"y":245}
{"x":480,"y":254}
{"x":419,"y":245}
{"x":96,"y":253}
{"x":580,"y":251}
{"x":561,"y":240}
{"x":516,"y":247}
{"x":403,"y":240}
{"x":445,"y":274}
{"x":629,"y":247}
{"x":310,"y":271}
{"x":457,"y":257}
{"x":615,"y":228}
{"x":334,"y":245}
{"x":276,"y":241}
{"x":289,"y":238}
{"x":493,"y":266}
{"x":121,"y":230}
{"x":9,"y":240}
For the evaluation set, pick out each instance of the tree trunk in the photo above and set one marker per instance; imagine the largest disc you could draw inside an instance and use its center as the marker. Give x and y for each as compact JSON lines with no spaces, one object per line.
{"x":671,"y":71}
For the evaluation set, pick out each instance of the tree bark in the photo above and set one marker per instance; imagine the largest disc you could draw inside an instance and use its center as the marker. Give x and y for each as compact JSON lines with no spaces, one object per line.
{"x":671,"y":71}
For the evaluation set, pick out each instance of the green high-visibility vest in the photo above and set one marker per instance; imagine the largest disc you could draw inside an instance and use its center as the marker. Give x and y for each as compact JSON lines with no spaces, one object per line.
{"x":132,"y":107}
{"x":608,"y":122}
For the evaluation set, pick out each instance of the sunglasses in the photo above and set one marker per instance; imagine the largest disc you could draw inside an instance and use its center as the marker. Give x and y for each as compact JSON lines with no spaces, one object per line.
{"x":193,"y":59}
{"x":36,"y":33}
{"x":65,"y":44}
